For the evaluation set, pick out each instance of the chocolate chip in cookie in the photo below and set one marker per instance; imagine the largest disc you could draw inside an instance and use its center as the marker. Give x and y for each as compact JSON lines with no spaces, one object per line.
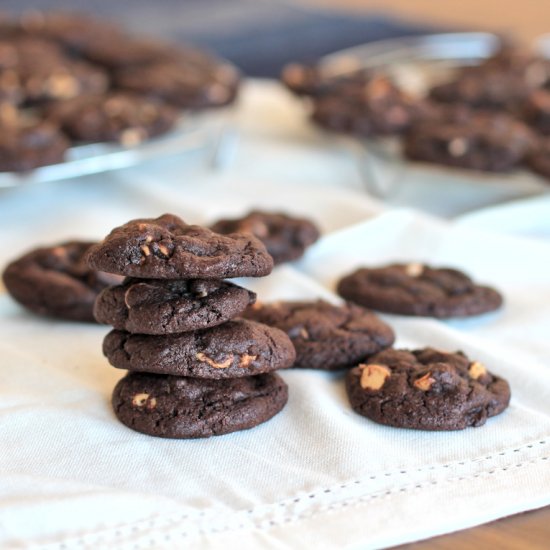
{"x":418,"y":289}
{"x":326,"y":336}
{"x":426,"y":389}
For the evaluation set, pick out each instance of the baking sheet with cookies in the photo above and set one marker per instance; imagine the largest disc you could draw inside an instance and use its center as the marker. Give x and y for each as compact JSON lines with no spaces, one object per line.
{"x":317,"y":467}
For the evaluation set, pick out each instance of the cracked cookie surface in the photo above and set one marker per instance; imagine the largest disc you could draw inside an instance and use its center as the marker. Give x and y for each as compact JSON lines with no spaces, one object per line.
{"x":426,"y":389}
{"x":326,"y":336}
{"x":56,"y":281}
{"x":234,"y":349}
{"x":285,"y":237}
{"x":185,"y":408}
{"x":417,"y":289}
{"x":152,"y":306}
{"x":168,"y":248}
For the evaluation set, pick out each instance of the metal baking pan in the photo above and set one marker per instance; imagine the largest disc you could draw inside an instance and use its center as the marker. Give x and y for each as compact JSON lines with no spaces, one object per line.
{"x":190,"y":133}
{"x":417,"y":63}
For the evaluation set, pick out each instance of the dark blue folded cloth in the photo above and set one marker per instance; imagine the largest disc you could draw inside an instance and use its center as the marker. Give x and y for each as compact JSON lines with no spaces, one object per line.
{"x":258,"y":36}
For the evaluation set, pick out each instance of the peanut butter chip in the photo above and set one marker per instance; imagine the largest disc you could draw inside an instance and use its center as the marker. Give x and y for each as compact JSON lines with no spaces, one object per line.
{"x":457,"y":147}
{"x":8,"y":114}
{"x":145,"y":250}
{"x":414,"y":269}
{"x":476,"y":370}
{"x":203,"y":358}
{"x":63,"y":86}
{"x":132,"y":136}
{"x":425,"y":382}
{"x":304,"y":334}
{"x":293,"y":73}
{"x":373,"y":376}
{"x":163,"y":250}
{"x":140,"y":399}
{"x":246,"y":359}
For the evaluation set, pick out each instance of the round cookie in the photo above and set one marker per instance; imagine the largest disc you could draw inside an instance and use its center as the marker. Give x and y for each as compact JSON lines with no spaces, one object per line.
{"x":184,"y":81}
{"x":285,"y":237}
{"x":326,"y":336}
{"x":426,"y":390}
{"x":372,"y":108}
{"x":417,"y":289}
{"x":168,"y":248}
{"x":231,"y":350}
{"x":26,"y":146}
{"x":185,"y":408}
{"x":56,"y":281}
{"x":459,"y":137}
{"x":152,"y":306}
{"x":116,"y":116}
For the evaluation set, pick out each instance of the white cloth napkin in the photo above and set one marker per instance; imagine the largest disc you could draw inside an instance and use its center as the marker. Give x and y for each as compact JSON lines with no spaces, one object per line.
{"x":71,"y":476}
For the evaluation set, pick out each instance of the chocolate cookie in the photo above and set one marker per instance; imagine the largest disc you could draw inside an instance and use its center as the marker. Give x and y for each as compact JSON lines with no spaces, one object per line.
{"x":536,"y":111}
{"x":426,"y":390}
{"x":417,"y":289}
{"x":326,"y":336}
{"x":286,"y":238}
{"x":168,"y":248}
{"x":315,"y":80}
{"x":377,"y":107}
{"x":26,"y":146}
{"x":184,"y":408}
{"x":231,"y":350}
{"x":462,"y":138}
{"x":120,"y":50}
{"x":117,"y":116}
{"x":481,"y":88}
{"x":539,"y":159}
{"x":503,"y":81}
{"x":152,"y":306}
{"x":56,"y":281}
{"x":45,"y":73}
{"x":74,"y":31}
{"x":182,"y":82}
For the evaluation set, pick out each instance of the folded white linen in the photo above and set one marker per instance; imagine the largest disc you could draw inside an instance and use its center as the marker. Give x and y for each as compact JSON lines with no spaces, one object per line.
{"x":317,"y":472}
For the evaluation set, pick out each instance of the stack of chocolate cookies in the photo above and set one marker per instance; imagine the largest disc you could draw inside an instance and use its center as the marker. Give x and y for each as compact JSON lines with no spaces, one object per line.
{"x":195,"y":370}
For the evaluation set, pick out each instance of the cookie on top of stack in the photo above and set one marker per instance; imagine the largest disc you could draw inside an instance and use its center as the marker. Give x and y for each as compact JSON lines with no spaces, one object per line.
{"x":195,"y":371}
